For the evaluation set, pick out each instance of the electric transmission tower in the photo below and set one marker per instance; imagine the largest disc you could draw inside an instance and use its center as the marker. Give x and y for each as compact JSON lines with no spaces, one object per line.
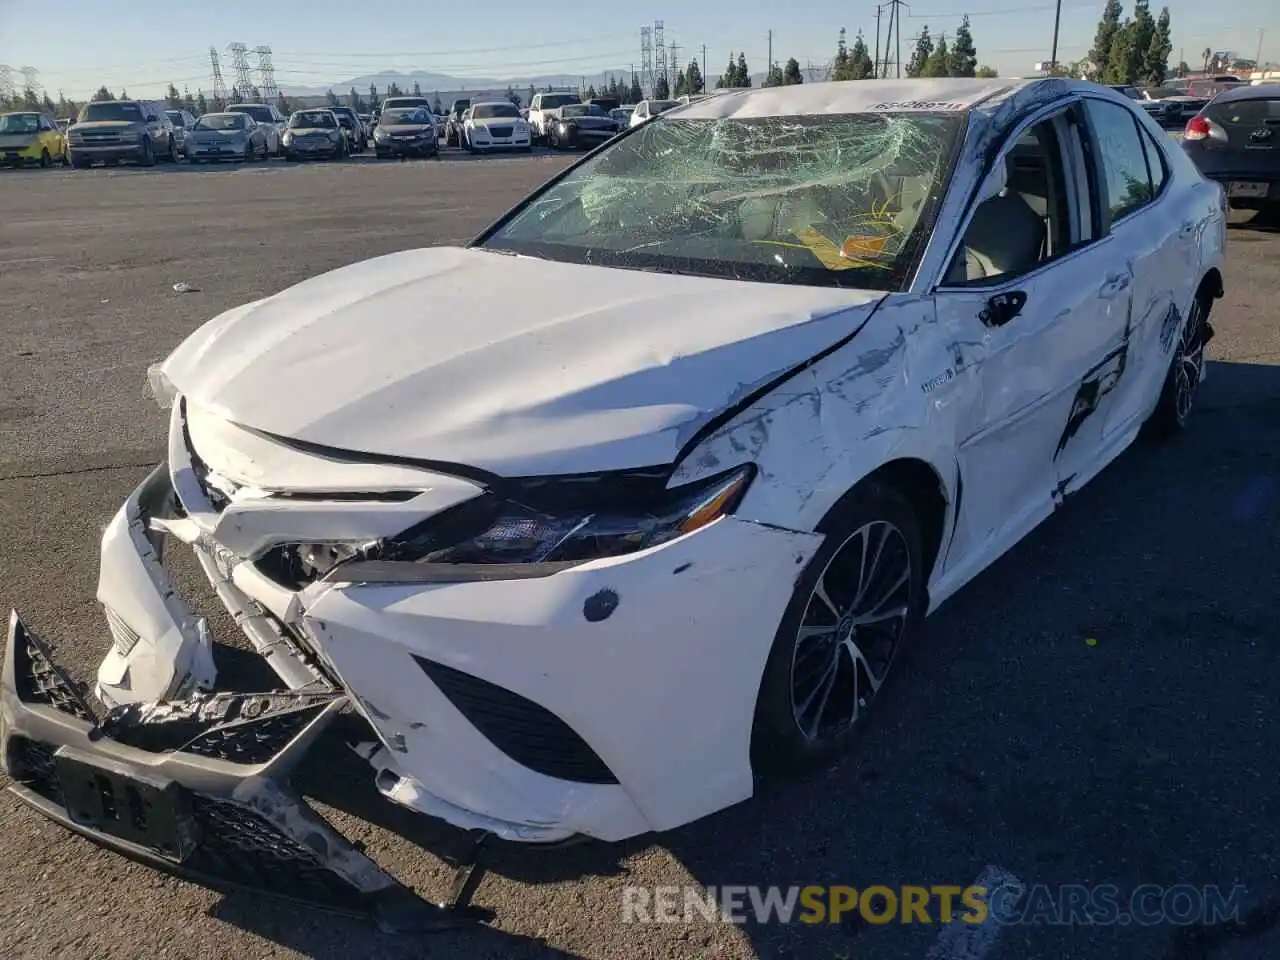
{"x":219,"y":85}
{"x":646,"y":60}
{"x":30,"y":79}
{"x":660,"y":56}
{"x":240,"y":63}
{"x":267,"y":71}
{"x":893,"y":42}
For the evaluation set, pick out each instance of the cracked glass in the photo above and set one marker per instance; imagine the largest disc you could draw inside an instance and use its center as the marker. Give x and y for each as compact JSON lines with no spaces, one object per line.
{"x":835,"y":200}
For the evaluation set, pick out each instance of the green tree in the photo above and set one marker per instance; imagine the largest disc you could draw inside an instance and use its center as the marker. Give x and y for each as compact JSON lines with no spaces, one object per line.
{"x":1142,"y":31}
{"x":373,"y":96}
{"x":255,"y":95}
{"x":436,"y":106}
{"x":124,"y":94}
{"x":635,"y":94}
{"x":660,"y":89}
{"x":103,"y":94}
{"x":30,"y":99}
{"x":1104,"y":37}
{"x":729,"y":76}
{"x":355,"y":101}
{"x":860,"y":57}
{"x":513,"y":96}
{"x":964,"y":56}
{"x":188,"y":101}
{"x":283,"y":104}
{"x":774,"y":77}
{"x":417,"y":90}
{"x":533,"y":92}
{"x":680,"y":88}
{"x":987,"y":72}
{"x":921,"y":54}
{"x":842,"y":65}
{"x":1123,"y":56}
{"x":1155,"y":63}
{"x":693,"y":81}
{"x":393,"y":90}
{"x":791,"y":72}
{"x":202,"y":105}
{"x":173,"y":98}
{"x":939,"y":62}
{"x":331,"y":98}
{"x":47,"y":104}
{"x":742,"y":74}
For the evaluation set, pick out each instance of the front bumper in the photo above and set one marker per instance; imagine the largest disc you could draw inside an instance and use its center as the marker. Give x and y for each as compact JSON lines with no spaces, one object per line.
{"x":481,"y":140}
{"x":115,"y":151}
{"x":324,"y":149}
{"x":212,"y":151}
{"x":607,"y":700}
{"x":422,"y":146}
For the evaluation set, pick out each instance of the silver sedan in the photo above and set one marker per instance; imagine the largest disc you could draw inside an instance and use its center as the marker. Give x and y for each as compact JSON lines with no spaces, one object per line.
{"x":226,"y":136}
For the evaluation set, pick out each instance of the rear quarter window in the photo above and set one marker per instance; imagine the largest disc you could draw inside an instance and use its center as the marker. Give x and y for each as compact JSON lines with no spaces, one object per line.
{"x":1253,"y":112}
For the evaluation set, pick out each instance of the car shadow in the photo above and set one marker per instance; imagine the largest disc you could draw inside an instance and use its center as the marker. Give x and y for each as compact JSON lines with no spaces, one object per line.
{"x":1049,"y":720}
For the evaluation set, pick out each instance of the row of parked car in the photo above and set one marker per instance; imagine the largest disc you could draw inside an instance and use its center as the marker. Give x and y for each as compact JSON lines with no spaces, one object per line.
{"x":149,"y":132}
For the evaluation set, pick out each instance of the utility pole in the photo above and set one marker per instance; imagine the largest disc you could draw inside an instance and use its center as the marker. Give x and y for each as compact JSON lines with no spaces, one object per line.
{"x":1053,"y":56}
{"x":879,"y":11}
{"x":897,"y":35}
{"x":1257,"y":60}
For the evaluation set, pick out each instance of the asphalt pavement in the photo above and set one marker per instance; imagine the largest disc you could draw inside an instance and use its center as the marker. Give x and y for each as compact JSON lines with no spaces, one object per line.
{"x":1095,"y":708}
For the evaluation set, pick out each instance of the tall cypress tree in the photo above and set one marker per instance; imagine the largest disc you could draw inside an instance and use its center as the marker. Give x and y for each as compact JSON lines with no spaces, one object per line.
{"x":1108,"y":27}
{"x":964,"y":56}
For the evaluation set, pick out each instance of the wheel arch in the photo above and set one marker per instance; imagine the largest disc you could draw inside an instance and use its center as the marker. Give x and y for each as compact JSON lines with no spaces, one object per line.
{"x":1211,"y":284}
{"x":923,"y":487}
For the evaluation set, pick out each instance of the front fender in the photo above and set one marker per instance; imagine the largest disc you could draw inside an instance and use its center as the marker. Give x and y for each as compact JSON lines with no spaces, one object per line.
{"x":823,"y":430}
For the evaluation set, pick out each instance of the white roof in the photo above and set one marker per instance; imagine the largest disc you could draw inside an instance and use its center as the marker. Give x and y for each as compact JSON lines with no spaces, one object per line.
{"x":854,"y":96}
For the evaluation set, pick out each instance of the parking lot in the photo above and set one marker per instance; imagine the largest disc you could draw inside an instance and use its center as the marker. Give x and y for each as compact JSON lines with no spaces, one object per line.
{"x":1095,"y":708}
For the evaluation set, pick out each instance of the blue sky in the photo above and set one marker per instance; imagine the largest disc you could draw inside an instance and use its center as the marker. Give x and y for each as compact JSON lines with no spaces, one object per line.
{"x":143,"y":44}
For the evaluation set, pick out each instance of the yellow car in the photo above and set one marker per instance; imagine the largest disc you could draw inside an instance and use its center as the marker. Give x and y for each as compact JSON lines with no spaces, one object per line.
{"x":30,"y":136}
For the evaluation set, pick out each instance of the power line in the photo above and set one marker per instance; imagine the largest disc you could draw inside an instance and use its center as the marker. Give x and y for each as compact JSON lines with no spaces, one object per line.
{"x":450,"y":51}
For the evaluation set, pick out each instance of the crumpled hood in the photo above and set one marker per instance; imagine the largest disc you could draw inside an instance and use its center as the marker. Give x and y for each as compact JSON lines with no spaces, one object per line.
{"x":514,"y":365}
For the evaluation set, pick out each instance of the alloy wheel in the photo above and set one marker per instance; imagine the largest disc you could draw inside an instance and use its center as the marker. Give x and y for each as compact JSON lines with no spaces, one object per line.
{"x":850,"y":631}
{"x":1189,"y":362}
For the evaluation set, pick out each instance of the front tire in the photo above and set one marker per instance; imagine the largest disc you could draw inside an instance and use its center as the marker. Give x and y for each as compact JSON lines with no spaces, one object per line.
{"x":860,"y":600}
{"x":1186,"y":369}
{"x":46,"y":161}
{"x":148,"y":154}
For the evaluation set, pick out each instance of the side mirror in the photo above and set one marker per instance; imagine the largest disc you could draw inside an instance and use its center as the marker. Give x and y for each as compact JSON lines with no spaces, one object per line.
{"x":152,"y":118}
{"x":995,"y":183}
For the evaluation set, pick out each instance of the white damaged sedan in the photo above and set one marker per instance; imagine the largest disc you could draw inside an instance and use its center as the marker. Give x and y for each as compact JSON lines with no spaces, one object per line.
{"x":808,"y":359}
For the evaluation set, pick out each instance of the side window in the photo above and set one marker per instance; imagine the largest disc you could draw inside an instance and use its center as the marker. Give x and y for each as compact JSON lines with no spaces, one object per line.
{"x":537,"y":103}
{"x":1122,"y":158}
{"x":1028,"y":223}
{"x":1155,"y":164}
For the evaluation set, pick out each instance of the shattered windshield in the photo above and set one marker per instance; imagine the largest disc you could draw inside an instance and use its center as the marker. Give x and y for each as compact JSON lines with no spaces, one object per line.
{"x":843,"y":200}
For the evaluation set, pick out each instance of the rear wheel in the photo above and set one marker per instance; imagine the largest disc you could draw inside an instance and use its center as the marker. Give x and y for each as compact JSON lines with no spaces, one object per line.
{"x":1186,"y":369}
{"x":859,"y":601}
{"x":45,"y":160}
{"x":79,"y":162}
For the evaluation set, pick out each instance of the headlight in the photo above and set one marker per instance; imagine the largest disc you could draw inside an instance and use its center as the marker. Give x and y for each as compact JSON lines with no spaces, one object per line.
{"x":159,"y":387}
{"x":379,"y":134}
{"x":333,"y":135}
{"x":287,"y":139}
{"x":494,"y":538}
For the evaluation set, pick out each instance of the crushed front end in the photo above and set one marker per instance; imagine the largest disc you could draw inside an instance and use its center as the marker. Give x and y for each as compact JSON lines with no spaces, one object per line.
{"x":604,"y":695}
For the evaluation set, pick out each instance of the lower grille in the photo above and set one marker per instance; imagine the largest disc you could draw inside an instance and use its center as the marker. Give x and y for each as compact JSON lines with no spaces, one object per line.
{"x":501,"y":131}
{"x":529,"y":734}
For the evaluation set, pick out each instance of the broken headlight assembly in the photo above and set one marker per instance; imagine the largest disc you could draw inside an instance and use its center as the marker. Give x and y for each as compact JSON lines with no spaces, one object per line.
{"x":506,"y":538}
{"x":159,"y":387}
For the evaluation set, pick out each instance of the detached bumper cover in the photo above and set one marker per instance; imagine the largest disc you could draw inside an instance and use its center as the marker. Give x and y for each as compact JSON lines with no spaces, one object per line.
{"x":197,"y":788}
